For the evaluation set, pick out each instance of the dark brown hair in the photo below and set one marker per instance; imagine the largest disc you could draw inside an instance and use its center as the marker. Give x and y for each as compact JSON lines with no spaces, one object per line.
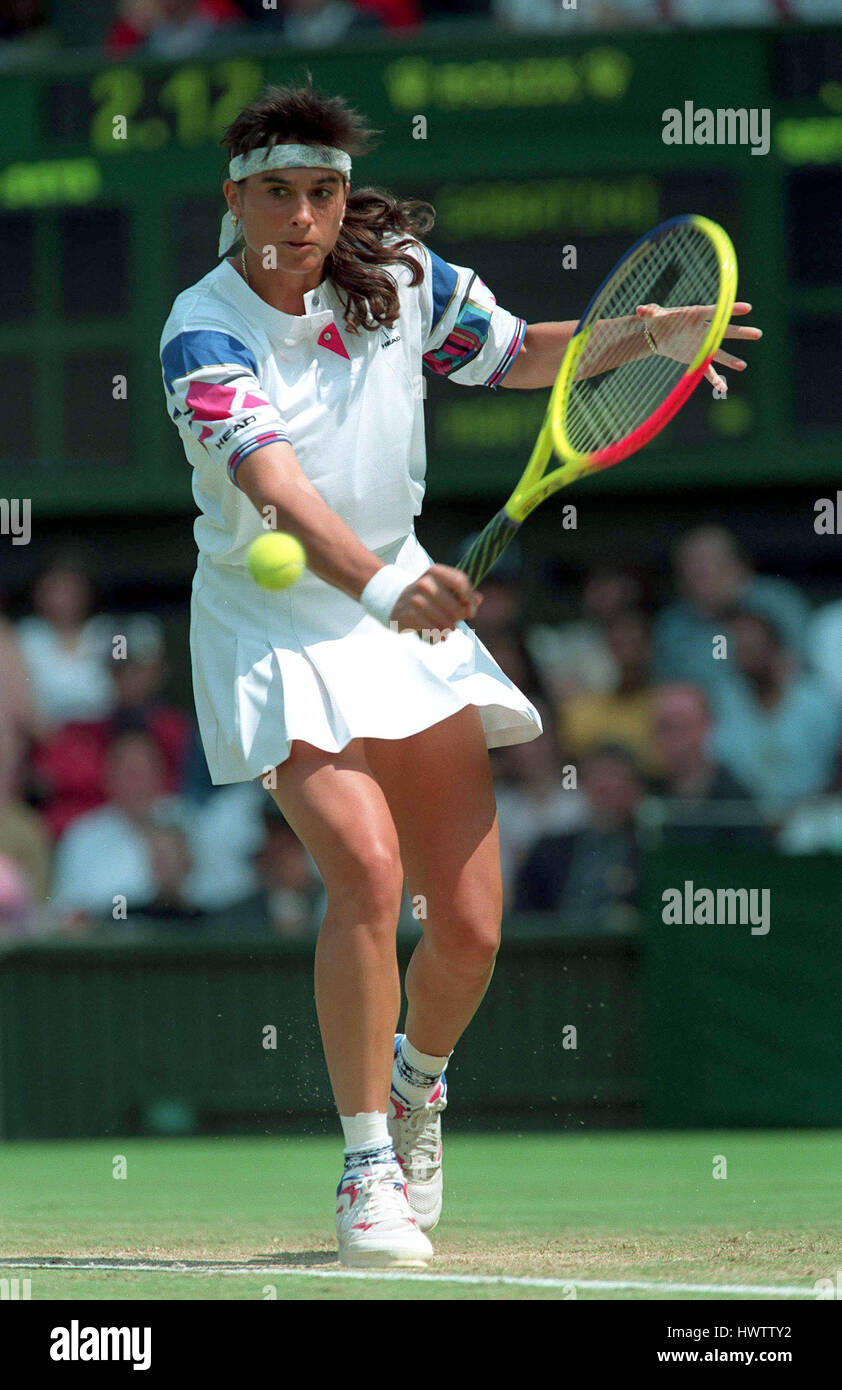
{"x":304,"y":115}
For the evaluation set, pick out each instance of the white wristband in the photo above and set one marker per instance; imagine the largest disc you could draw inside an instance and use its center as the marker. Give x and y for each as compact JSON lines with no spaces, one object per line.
{"x":383,"y":590}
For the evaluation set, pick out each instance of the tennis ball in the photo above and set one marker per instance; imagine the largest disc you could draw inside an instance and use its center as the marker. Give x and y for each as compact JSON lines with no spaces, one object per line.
{"x":276,"y":560}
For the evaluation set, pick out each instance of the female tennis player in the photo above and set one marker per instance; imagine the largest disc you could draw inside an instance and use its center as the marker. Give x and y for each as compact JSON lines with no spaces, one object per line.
{"x":293,"y":374}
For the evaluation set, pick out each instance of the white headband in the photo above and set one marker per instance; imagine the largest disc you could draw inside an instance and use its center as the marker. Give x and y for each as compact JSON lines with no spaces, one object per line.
{"x":278,"y":157}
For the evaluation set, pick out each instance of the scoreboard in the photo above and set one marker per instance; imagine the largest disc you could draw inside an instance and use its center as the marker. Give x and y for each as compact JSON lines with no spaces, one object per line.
{"x":544,"y":158}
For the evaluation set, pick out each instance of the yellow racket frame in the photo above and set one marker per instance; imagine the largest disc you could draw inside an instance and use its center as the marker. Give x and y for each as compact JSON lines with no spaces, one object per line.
{"x":535,"y":484}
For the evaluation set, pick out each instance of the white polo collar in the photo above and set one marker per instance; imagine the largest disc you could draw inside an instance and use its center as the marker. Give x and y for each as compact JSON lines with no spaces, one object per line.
{"x":318,"y":305}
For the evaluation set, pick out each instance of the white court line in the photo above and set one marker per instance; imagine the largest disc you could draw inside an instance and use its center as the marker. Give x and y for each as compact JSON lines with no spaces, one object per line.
{"x":403,"y":1276}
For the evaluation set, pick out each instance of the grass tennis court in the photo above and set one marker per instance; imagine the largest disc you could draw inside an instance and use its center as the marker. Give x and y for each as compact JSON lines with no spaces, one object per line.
{"x":612,"y":1208}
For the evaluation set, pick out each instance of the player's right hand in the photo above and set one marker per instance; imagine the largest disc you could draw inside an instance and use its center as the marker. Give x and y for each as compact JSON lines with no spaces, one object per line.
{"x":442,"y":597}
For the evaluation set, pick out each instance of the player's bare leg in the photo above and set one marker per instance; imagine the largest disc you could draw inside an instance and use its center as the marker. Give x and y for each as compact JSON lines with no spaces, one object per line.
{"x":440,"y":792}
{"x":441,"y":795}
{"x":338,"y":811}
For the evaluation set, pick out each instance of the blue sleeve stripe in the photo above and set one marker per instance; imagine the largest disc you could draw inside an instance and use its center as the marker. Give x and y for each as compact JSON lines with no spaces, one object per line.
{"x":445,"y":281}
{"x":202,"y":347}
{"x":515,"y":344}
{"x":269,"y":437}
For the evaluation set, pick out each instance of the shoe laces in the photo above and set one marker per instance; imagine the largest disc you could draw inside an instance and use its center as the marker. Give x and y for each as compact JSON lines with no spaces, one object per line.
{"x":383,"y":1196}
{"x":420,"y":1129}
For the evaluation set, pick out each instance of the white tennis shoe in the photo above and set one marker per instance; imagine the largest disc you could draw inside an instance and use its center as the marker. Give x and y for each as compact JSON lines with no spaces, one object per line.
{"x":416,"y":1136}
{"x":374,"y":1225}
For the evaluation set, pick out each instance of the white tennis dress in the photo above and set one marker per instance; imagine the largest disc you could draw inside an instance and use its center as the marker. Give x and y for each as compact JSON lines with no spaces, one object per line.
{"x":309,"y":662}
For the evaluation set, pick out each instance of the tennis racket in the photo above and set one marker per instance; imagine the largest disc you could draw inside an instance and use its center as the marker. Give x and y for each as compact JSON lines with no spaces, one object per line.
{"x":609,"y":399}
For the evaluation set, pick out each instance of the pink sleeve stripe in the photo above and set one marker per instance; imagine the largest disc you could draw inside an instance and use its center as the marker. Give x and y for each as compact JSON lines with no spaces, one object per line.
{"x":270,"y":437}
{"x":509,"y":355}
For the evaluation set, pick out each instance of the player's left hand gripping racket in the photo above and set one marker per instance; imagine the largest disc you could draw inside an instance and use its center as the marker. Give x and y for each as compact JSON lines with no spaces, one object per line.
{"x":608,"y":400}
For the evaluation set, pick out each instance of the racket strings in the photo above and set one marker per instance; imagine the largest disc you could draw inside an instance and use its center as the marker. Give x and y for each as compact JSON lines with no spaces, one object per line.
{"x":610,"y":396}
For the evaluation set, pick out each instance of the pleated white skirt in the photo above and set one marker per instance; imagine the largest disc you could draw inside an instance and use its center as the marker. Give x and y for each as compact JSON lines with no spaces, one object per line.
{"x":309,"y":663}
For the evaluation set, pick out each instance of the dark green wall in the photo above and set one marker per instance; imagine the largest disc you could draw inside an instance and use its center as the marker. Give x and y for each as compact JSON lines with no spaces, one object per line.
{"x":97,"y":1039}
{"x":690,"y":1026}
{"x":742,"y":1029}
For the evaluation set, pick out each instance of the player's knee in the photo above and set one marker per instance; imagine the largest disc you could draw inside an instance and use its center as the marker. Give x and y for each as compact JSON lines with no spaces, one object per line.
{"x":370,"y":886}
{"x":470,"y":939}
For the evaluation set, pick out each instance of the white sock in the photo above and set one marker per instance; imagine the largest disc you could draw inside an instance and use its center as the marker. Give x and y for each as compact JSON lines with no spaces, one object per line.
{"x":367,"y":1140}
{"x":416,"y":1074}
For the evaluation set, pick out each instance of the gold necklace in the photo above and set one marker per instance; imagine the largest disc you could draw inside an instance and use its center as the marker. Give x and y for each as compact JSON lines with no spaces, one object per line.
{"x":243,"y":264}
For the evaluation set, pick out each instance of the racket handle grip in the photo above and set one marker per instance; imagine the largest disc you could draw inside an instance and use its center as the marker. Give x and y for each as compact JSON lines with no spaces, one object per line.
{"x":489,"y":546}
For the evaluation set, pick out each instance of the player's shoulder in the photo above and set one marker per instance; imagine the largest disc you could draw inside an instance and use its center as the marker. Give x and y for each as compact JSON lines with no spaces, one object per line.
{"x":206,"y":306}
{"x":438,"y":295}
{"x":205,"y":294}
{"x":412,"y":248}
{"x":206,"y":327}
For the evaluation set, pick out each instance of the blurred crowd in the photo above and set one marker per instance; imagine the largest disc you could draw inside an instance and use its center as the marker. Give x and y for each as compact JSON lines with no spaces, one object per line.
{"x":714,"y":718}
{"x":176,"y":29}
{"x":106,"y":809}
